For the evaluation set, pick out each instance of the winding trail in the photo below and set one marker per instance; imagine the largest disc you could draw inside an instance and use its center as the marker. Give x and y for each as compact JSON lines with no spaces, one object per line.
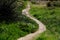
{"x":41,"y":29}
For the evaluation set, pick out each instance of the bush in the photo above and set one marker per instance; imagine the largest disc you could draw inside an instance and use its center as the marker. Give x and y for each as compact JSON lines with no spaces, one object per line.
{"x":56,"y":3}
{"x":20,"y":27}
{"x":34,"y":2}
{"x":12,"y":31}
{"x":53,"y":4}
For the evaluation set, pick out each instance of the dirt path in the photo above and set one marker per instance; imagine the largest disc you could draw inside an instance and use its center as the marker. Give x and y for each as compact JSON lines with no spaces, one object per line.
{"x":41,"y":25}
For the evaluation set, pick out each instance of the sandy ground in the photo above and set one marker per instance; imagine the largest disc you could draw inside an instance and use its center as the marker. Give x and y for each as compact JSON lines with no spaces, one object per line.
{"x":41,"y":29}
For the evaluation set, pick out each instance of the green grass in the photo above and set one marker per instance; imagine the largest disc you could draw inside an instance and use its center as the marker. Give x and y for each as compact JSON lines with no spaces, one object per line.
{"x":12,"y":31}
{"x":50,"y":17}
{"x":15,"y":30}
{"x":47,"y":36}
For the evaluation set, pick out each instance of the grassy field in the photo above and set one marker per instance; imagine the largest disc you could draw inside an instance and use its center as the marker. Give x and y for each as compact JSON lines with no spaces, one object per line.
{"x":51,"y":18}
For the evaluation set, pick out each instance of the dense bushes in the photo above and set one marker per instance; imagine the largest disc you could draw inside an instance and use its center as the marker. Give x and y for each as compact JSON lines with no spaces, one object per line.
{"x":53,"y":4}
{"x":56,"y":3}
{"x":12,"y":31}
{"x":22,"y":25}
{"x":35,"y":1}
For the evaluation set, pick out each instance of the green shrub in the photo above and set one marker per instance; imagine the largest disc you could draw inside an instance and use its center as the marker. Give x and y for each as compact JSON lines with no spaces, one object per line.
{"x":57,"y":3}
{"x":53,"y":4}
{"x":10,"y":30}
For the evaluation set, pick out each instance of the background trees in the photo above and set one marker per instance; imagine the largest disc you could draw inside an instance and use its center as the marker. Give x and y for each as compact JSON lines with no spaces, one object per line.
{"x":16,"y":25}
{"x":8,"y":10}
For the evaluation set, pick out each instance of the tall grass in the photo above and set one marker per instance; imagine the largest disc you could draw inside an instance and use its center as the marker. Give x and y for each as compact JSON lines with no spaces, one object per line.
{"x":50,"y":17}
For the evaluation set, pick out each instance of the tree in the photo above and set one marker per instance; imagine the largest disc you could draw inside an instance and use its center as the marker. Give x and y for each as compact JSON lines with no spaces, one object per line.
{"x":8,"y":10}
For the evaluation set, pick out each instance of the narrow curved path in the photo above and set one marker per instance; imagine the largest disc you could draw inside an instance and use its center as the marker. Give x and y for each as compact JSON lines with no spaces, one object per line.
{"x":41,"y":29}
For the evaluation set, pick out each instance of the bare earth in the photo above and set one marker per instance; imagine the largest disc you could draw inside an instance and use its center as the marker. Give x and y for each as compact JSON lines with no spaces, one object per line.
{"x":41,"y":29}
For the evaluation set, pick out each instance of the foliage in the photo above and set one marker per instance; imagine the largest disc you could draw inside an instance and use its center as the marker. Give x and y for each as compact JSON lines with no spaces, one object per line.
{"x":53,"y":4}
{"x":47,"y":36}
{"x":8,"y":10}
{"x":21,"y":26}
{"x":56,"y":3}
{"x":51,"y":18}
{"x":12,"y":31}
{"x":34,"y":2}
{"x":26,"y":0}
